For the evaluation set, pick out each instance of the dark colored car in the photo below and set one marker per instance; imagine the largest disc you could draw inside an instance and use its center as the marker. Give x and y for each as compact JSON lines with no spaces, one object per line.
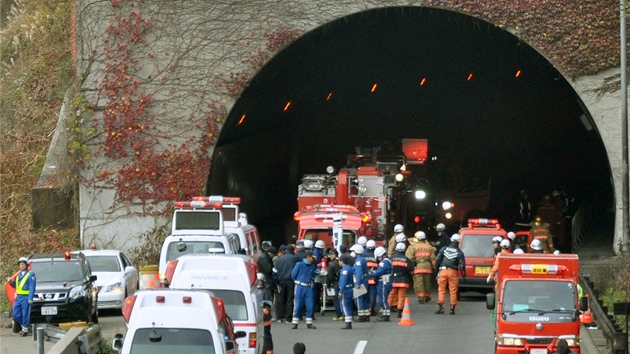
{"x":65,"y":290}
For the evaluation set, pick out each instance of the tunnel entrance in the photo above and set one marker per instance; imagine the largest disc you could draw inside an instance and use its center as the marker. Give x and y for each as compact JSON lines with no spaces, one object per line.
{"x":486,"y":101}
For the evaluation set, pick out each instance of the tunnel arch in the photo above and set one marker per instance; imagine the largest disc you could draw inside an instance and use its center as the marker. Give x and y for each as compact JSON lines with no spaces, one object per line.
{"x":488,"y":98}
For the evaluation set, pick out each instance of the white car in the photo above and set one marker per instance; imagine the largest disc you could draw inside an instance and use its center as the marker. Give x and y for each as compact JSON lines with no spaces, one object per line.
{"x":116,"y":276}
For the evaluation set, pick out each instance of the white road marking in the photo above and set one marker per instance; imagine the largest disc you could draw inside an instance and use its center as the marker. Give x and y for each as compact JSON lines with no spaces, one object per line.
{"x":360,"y":347}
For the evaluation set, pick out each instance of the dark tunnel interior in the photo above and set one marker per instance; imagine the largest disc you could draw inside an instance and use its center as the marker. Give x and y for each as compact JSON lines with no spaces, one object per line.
{"x":488,"y":103}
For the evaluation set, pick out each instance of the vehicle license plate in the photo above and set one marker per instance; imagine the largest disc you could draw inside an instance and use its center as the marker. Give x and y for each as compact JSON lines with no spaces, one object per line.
{"x":49,"y":310}
{"x":538,"y":351}
{"x":482,"y":269}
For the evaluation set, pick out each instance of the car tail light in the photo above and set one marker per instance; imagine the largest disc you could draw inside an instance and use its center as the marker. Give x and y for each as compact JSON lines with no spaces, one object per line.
{"x":187,"y":300}
{"x":160,"y":299}
{"x":251,"y":271}
{"x":128,"y":307}
{"x":170,"y":270}
{"x":252,"y":339}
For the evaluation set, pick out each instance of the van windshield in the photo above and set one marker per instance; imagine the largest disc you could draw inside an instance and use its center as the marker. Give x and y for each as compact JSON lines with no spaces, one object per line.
{"x":528,"y":300}
{"x":234,"y":302}
{"x":477,"y":246}
{"x":172,"y":340}
{"x":60,"y":271}
{"x":180,"y":248}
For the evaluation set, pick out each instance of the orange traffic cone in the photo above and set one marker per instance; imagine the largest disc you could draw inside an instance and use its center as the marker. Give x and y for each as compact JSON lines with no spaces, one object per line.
{"x":406,"y":315}
{"x":587,"y":317}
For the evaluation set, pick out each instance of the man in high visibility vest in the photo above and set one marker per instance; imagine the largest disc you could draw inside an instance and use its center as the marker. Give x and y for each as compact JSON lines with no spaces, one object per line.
{"x":24,"y":284}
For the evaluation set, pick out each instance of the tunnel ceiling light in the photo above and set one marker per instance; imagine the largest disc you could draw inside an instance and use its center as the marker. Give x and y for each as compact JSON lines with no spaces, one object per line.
{"x":286,"y":107}
{"x":374,"y":88}
{"x":518,"y":73}
{"x":329,"y":96}
{"x":424,"y":79}
{"x":470,"y":76}
{"x":242,"y":119}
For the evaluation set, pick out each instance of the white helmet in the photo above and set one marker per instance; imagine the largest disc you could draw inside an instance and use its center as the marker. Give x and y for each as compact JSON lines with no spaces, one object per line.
{"x":379,"y":251}
{"x":497,"y":239}
{"x":505,"y":244}
{"x":420,"y":235}
{"x":401,"y":237}
{"x":536,"y":245}
{"x":308,"y":243}
{"x":456,"y":238}
{"x":399,"y":228}
{"x":358,"y":249}
{"x":556,"y":252}
{"x":518,"y":251}
{"x":23,"y":259}
{"x":511,"y":235}
{"x":371,"y":244}
{"x":320,"y":244}
{"x":362,"y":240}
{"x":400,"y":247}
{"x":440,"y":227}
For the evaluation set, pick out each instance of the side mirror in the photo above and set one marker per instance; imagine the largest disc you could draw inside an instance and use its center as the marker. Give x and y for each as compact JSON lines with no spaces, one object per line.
{"x":129,"y":269}
{"x":240,"y":334}
{"x":92,"y":278}
{"x":583,"y":303}
{"x":229,"y":345}
{"x":490,"y":298}
{"x":117,"y":343}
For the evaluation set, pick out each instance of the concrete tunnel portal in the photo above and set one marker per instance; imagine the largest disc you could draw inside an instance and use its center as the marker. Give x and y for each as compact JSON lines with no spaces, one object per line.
{"x":474,"y":90}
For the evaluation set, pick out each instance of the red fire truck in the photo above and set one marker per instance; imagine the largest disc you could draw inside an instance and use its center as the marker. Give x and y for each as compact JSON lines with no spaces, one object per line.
{"x":536,"y":303}
{"x":376,"y":182}
{"x":333,"y":224}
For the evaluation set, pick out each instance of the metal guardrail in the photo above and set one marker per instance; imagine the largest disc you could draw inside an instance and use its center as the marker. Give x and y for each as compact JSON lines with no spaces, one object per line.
{"x":76,"y":340}
{"x":616,"y":339}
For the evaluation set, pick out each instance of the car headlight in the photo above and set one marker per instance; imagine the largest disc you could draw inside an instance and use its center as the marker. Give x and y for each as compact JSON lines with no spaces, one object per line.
{"x":114,"y":288}
{"x":503,"y":340}
{"x":77,"y":292}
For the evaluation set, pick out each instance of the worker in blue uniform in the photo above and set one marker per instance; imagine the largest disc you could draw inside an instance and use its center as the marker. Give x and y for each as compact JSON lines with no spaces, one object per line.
{"x":346,"y":284}
{"x":24,"y":284}
{"x":360,"y":271}
{"x":384,"y":286}
{"x":303,"y":275}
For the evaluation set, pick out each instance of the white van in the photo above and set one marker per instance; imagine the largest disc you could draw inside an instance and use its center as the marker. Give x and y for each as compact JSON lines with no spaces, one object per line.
{"x":247,"y":234}
{"x":233,"y":279}
{"x":164,"y":321}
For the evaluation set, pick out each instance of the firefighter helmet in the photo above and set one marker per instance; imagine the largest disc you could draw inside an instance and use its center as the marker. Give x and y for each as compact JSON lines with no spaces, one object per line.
{"x":371,"y":244}
{"x":398,"y":228}
{"x":511,"y":235}
{"x":536,"y":245}
{"x":440,"y":227}
{"x":362,"y":240}
{"x":265,"y":245}
{"x":518,"y":251}
{"x":497,"y":239}
{"x":505,"y":244}
{"x":420,"y":235}
{"x":308,"y":243}
{"x":358,"y":249}
{"x":379,"y":251}
{"x":320,"y":244}
{"x":400,"y":247}
{"x":456,"y":238}
{"x":401,"y":237}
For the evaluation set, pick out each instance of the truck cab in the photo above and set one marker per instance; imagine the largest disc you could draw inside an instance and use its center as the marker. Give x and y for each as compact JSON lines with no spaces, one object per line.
{"x":476,"y":244}
{"x":333,"y":224}
{"x":536,"y":303}
{"x":168,"y":321}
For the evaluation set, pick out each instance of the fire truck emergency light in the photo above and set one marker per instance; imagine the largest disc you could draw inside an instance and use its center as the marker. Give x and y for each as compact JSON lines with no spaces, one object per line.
{"x":539,"y":269}
{"x":415,"y":150}
{"x":484,"y":222}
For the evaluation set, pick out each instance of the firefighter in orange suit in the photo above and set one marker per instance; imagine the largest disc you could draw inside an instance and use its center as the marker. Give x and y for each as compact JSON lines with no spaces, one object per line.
{"x":267,"y":320}
{"x":398,"y":230}
{"x":449,"y":259}
{"x":423,"y":255}
{"x":402,"y":269}
{"x":506,"y":247}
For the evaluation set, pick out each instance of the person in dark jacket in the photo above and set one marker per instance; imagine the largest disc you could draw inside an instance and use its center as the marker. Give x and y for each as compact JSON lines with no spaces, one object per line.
{"x":265,"y":266}
{"x":402,"y":270}
{"x":448,"y":260}
{"x":332,"y":281}
{"x":282,"y":277}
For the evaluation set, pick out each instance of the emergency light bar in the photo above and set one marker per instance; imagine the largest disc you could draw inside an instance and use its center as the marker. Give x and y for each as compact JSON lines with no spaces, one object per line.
{"x":484,"y":222}
{"x":207,"y":202}
{"x":539,"y":269}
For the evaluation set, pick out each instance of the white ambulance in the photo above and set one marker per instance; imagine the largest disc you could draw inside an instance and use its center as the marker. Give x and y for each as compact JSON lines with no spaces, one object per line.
{"x":196,"y":229}
{"x":165,"y":321}
{"x":233,"y":279}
